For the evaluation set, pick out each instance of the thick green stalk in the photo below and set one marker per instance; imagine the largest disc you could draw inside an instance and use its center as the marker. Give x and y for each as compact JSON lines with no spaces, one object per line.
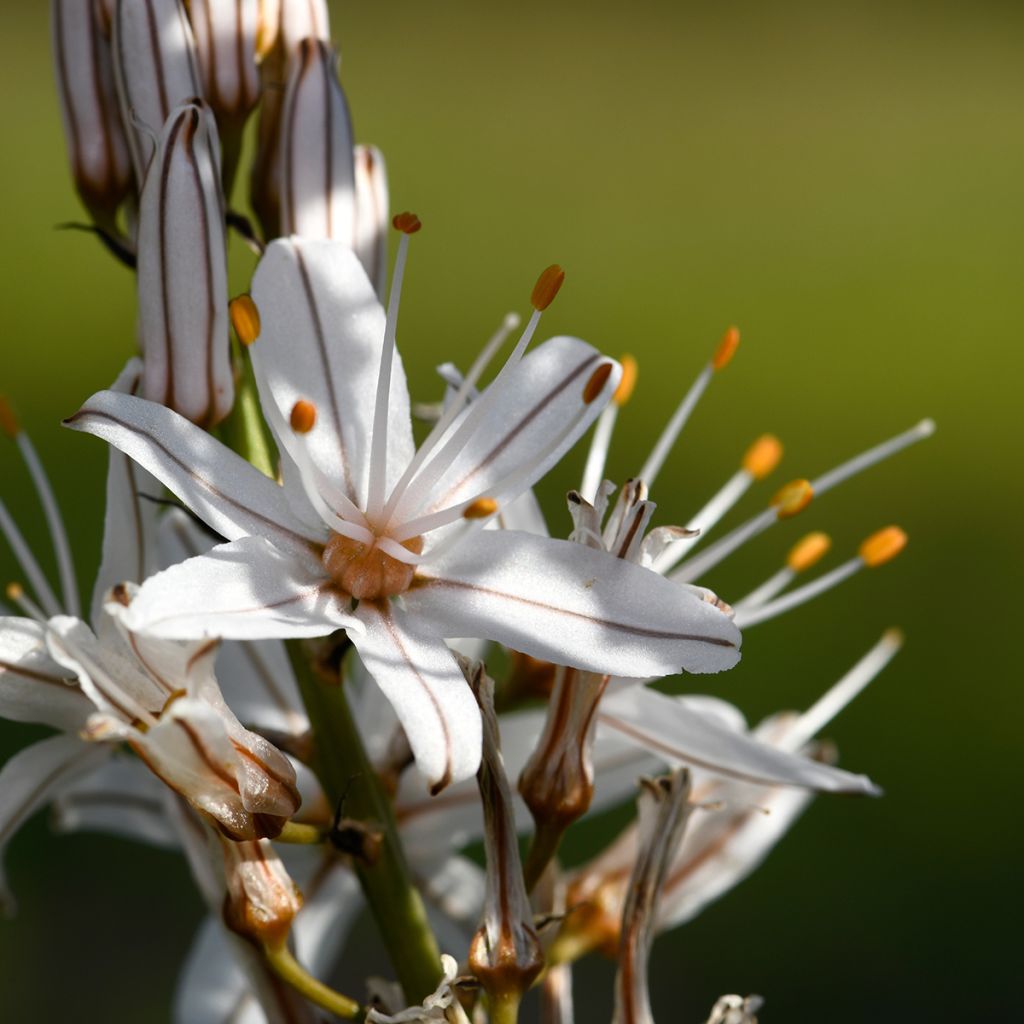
{"x":345,"y":772}
{"x":245,"y":430}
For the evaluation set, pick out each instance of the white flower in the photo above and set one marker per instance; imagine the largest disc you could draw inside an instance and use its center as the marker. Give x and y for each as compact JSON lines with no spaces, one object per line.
{"x":362,"y":516}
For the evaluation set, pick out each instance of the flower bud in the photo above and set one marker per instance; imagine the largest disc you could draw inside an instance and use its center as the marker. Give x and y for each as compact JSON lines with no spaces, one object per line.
{"x":97,"y":147}
{"x":182,"y":272}
{"x":261,"y":900}
{"x":371,"y":215}
{"x":155,"y":70}
{"x":226,"y":38}
{"x":317,"y":165}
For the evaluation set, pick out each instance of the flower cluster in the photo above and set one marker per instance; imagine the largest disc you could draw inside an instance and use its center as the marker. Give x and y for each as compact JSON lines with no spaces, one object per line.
{"x":320,"y":658}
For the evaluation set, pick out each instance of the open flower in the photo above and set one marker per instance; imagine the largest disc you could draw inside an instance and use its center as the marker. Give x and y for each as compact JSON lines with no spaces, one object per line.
{"x":370,"y":534}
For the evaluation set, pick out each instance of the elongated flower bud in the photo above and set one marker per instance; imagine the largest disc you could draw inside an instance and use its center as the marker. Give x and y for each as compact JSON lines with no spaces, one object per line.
{"x":663,"y":810}
{"x":226,"y":38}
{"x":505,"y":954}
{"x":97,"y":147}
{"x":371,"y":215}
{"x":318,"y":171}
{"x":182,"y":272}
{"x":155,"y":70}
{"x":302,"y":19}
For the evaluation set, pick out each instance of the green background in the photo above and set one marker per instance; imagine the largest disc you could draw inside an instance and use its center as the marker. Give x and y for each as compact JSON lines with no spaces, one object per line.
{"x":843,"y":181}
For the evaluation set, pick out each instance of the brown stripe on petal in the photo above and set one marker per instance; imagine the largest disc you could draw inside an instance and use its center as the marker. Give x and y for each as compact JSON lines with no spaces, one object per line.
{"x":206,"y":757}
{"x":435,"y":582}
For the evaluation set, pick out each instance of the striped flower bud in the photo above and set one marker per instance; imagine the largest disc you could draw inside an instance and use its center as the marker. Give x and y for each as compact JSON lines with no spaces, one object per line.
{"x":226,"y":40}
{"x":317,"y":162}
{"x":370,"y":237}
{"x":97,"y":147}
{"x":155,"y":70}
{"x":182,"y":272}
{"x":301,"y":19}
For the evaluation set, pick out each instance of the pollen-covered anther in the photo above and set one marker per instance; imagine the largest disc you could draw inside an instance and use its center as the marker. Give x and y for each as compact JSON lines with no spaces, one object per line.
{"x":624,"y":391}
{"x":763,"y":456}
{"x":882,"y":546}
{"x":303,"y":416}
{"x":245,"y":318}
{"x":14,"y":591}
{"x":597,"y":381}
{"x":366,"y":572}
{"x":407,"y":223}
{"x":792,"y":498}
{"x":480,"y":509}
{"x":726,"y":349}
{"x":808,"y":551}
{"x":546,"y":288}
{"x":8,"y":421}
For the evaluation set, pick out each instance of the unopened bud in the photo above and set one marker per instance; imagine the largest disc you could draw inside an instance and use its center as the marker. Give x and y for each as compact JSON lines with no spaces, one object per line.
{"x":726,"y":349}
{"x":317,"y":166}
{"x":763,"y":456}
{"x":298,"y":20}
{"x":547,"y":287}
{"x":792,"y":498}
{"x":261,"y":900}
{"x":808,"y":551}
{"x":155,"y":70}
{"x":97,"y":147}
{"x":182,"y":272}
{"x":882,"y":547}
{"x":225,"y":35}
{"x":370,"y":238}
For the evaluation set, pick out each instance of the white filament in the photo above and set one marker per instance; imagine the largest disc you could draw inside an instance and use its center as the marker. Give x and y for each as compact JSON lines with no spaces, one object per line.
{"x":597,"y":457}
{"x":745,"y":618}
{"x":29,"y":566}
{"x":771,"y":587}
{"x":674,"y":427}
{"x":695,"y":567}
{"x":812,"y":721}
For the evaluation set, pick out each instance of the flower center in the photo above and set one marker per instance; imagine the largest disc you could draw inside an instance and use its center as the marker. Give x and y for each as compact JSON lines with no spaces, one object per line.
{"x":364,"y":571}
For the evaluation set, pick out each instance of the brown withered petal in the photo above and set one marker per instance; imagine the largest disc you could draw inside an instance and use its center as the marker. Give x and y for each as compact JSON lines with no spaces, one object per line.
{"x":97,"y":147}
{"x":182,"y":272}
{"x":155,"y":70}
{"x":261,"y":900}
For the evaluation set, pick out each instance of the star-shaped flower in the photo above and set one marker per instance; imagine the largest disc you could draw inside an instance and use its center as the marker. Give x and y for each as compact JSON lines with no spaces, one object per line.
{"x":370,"y":534}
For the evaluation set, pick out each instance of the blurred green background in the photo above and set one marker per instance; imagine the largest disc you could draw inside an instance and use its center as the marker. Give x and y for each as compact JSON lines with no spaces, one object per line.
{"x":843,"y":181}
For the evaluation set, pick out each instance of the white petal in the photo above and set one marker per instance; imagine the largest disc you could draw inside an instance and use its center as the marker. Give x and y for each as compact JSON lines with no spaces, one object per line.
{"x":259,"y":685}
{"x":32,"y":777}
{"x":535,"y":418}
{"x":571,"y":605}
{"x":430,"y":695}
{"x":333,"y":900}
{"x":122,"y":798}
{"x":224,"y":490}
{"x":680,"y":732}
{"x":34,"y":687}
{"x":321,"y":332}
{"x":247,"y":589}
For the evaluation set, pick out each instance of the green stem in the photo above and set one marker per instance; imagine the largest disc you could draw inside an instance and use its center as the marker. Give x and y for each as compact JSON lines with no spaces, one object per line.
{"x":505,"y":1010}
{"x":291,"y":971}
{"x":345,"y":772}
{"x":245,"y":429}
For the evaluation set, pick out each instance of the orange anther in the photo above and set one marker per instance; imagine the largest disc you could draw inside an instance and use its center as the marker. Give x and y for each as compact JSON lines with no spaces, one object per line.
{"x":407,"y":223}
{"x":808,"y":551}
{"x":726,"y":349}
{"x":882,"y":546}
{"x":597,"y":381}
{"x":762,"y":456}
{"x":546,"y":288}
{"x":245,"y":318}
{"x":625,"y":389}
{"x":792,"y":498}
{"x":14,"y":591}
{"x":480,"y":509}
{"x":8,"y":421}
{"x":303,"y":417}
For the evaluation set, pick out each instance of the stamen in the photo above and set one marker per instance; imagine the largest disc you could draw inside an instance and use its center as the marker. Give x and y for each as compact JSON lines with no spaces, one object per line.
{"x":595,"y":385}
{"x":723,"y":355}
{"x":547,"y":287}
{"x":882,"y":547}
{"x":15,"y":593}
{"x":480,"y":509}
{"x":466,"y":389}
{"x":812,"y":721}
{"x":51,"y":511}
{"x":245,"y":318}
{"x":597,"y":456}
{"x":792,"y":498}
{"x":759,"y":523}
{"x":29,"y":566}
{"x":806,"y":553}
{"x":408,"y":224}
{"x":303,"y":416}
